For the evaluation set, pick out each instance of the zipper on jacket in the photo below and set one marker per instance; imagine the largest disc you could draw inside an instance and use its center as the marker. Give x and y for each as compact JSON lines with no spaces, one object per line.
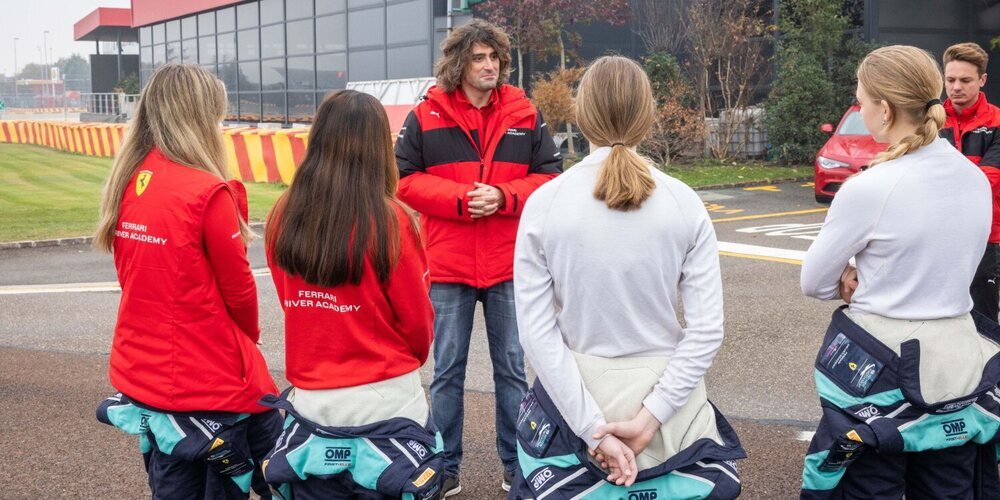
{"x":482,"y":166}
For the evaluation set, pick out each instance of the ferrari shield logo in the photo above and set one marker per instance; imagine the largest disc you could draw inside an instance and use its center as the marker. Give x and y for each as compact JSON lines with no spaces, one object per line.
{"x":142,"y":182}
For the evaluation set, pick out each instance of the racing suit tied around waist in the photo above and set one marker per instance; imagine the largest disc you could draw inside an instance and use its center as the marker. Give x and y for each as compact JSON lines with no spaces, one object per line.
{"x":887,"y":385}
{"x":395,"y":457}
{"x":692,"y":455}
{"x":190,"y":436}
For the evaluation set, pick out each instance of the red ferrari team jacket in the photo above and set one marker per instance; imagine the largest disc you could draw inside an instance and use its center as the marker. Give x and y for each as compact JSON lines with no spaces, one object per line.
{"x":358,"y":334}
{"x":441,"y":153}
{"x":176,"y":347}
{"x":974,"y":132}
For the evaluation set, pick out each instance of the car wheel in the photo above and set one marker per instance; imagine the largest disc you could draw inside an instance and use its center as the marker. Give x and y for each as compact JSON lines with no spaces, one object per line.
{"x":822,"y":198}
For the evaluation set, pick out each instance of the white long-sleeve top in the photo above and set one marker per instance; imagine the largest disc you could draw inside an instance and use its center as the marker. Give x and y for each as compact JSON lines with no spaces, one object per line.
{"x":917,"y":227}
{"x":604,"y":282}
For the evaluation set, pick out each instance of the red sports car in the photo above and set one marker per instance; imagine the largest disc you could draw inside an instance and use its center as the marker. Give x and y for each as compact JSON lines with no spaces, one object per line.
{"x":848,"y":151}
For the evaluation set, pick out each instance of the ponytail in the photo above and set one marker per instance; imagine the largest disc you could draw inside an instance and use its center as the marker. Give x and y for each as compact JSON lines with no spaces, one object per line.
{"x":625,"y":181}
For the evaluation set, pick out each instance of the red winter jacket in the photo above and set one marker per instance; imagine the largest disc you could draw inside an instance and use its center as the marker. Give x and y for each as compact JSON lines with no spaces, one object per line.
{"x":440,"y":156}
{"x":358,"y":334}
{"x":176,"y":345}
{"x":974,"y":131}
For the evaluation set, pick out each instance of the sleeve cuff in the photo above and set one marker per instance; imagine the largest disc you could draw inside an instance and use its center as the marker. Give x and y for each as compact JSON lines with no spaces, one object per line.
{"x":588,"y":433}
{"x":659,"y":407}
{"x":508,"y":201}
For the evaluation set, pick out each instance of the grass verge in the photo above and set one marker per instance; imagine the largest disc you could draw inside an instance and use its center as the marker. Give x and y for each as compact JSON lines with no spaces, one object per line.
{"x":49,"y":194}
{"x":713,"y":172}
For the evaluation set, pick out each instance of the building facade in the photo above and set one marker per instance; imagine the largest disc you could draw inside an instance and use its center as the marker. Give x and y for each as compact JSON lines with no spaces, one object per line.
{"x":279,"y":58}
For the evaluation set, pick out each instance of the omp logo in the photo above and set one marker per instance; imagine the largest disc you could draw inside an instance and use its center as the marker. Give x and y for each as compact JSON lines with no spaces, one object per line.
{"x":540,"y":478}
{"x":435,"y":113}
{"x":336,"y":455}
{"x":954,"y":427}
{"x":867,"y":412}
{"x":211,"y":424}
{"x":143,"y":422}
{"x":515,"y":132}
{"x":142,"y":182}
{"x":417,"y":448}
{"x":642,"y":495}
{"x":731,"y":463}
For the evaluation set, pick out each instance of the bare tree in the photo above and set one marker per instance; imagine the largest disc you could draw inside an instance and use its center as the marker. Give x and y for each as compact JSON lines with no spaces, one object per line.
{"x":660,"y":24}
{"x":726,"y":45}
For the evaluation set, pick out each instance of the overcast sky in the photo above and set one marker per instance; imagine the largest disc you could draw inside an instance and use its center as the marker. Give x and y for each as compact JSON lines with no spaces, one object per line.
{"x":28,"y":19}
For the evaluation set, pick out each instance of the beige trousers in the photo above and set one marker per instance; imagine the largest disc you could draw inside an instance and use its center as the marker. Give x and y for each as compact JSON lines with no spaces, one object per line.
{"x":620,"y":384}
{"x":402,"y":396}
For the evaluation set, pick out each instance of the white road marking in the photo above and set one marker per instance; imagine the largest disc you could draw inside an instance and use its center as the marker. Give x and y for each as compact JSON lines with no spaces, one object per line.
{"x":101,"y":286}
{"x":805,"y":435}
{"x":733,"y":249}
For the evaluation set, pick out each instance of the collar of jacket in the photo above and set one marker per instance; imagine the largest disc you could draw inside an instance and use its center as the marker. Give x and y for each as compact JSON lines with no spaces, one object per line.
{"x":967,"y":113}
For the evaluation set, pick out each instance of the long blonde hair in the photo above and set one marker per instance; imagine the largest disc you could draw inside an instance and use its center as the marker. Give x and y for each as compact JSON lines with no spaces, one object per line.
{"x":615,"y":107}
{"x":179,"y":112}
{"x":907,"y":79}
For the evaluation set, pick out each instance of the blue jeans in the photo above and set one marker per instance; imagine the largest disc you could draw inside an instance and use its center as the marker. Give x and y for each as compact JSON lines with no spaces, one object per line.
{"x":454,"y":308}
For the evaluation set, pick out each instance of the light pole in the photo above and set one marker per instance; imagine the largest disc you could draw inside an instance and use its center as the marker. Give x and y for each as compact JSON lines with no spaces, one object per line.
{"x":45,"y":55}
{"x":16,"y":101}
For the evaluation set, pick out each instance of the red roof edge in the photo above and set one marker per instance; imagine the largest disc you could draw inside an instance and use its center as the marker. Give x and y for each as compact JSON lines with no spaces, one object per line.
{"x":102,"y":17}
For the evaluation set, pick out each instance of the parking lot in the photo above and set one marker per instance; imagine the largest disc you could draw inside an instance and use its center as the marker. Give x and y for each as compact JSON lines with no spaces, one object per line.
{"x":59,"y":307}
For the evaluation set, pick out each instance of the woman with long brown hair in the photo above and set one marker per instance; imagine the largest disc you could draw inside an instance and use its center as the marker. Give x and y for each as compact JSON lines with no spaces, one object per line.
{"x":350,"y":272}
{"x":602,"y":252}
{"x":184,"y":354}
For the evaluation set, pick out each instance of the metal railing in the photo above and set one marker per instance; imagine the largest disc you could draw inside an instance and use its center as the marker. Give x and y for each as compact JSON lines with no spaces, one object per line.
{"x":111,"y":104}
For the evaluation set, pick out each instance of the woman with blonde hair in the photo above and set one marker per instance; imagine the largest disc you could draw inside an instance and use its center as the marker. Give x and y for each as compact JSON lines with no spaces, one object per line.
{"x":601,"y":254}
{"x":184,"y":355}
{"x":906,"y":376}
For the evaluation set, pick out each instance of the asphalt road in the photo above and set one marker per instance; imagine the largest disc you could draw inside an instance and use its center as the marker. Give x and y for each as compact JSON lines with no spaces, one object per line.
{"x":58,"y":305}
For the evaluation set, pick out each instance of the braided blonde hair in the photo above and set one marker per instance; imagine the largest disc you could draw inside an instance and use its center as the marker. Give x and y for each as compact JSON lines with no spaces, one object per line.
{"x":908,"y":79}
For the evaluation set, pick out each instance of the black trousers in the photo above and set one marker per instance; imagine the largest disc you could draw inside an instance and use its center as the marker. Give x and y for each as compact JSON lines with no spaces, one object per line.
{"x":173,"y":478}
{"x":948,"y":474}
{"x":984,"y":290}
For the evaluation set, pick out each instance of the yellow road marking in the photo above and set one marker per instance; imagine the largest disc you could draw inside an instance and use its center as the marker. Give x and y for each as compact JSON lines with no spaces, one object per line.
{"x":771,"y":189}
{"x":808,"y":185}
{"x":761,"y":257}
{"x":765,"y":216}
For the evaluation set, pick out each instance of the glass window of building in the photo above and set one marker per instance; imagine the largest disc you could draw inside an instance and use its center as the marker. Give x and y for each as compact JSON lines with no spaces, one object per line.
{"x":408,"y":22}
{"x":189,"y":51}
{"x":189,"y":27}
{"x":362,"y":3}
{"x":248,"y":44}
{"x":232,"y":106}
{"x":300,"y":37}
{"x":366,"y":28}
{"x":158,"y":30}
{"x":159,"y":55}
{"x":249,"y":76}
{"x":227,"y":73}
{"x":206,"y":23}
{"x":367,"y":65}
{"x":331,"y":71}
{"x":272,"y":11}
{"x":225,"y":19}
{"x":227,"y":47}
{"x":206,"y":50}
{"x":246,"y":15}
{"x":210,"y":68}
{"x":408,"y":62}
{"x":301,"y":74}
{"x":273,"y":104}
{"x":173,"y":30}
{"x":301,"y":106}
{"x":331,"y":33}
{"x":298,"y":9}
{"x":173,"y":52}
{"x":145,"y":36}
{"x":272,"y":41}
{"x":329,"y":6}
{"x":272,"y":74}
{"x":249,"y":107}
